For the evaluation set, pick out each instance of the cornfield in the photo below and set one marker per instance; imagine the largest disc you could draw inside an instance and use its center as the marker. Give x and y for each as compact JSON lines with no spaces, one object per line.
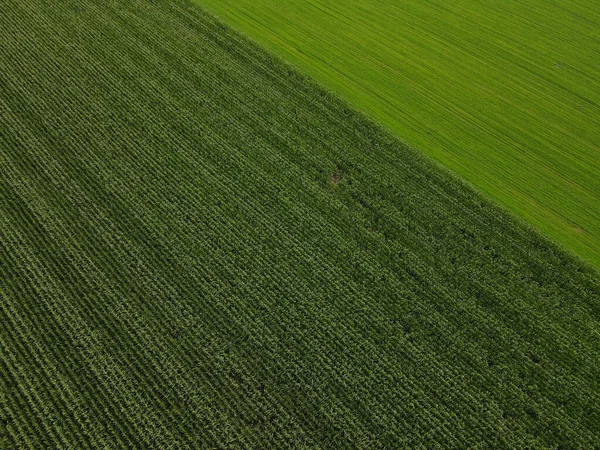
{"x":200,"y":247}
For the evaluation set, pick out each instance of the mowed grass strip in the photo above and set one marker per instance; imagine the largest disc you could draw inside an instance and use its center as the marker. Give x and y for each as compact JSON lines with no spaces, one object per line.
{"x":200,"y":248}
{"x":506,"y":94}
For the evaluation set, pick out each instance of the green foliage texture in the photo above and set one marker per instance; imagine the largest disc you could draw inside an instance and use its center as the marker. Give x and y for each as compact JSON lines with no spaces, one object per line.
{"x":200,"y":248}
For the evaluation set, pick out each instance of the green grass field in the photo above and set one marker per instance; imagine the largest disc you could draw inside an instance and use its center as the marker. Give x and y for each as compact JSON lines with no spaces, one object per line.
{"x":200,"y":248}
{"x":506,"y":94}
